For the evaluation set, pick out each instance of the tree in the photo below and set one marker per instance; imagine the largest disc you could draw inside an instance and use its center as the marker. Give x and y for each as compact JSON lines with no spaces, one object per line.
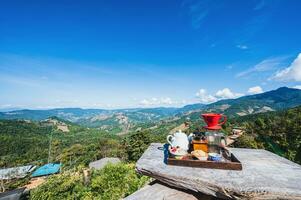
{"x":136,"y":143}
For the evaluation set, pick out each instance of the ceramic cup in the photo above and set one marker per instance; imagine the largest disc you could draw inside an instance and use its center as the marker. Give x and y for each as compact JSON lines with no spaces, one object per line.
{"x":214,"y":157}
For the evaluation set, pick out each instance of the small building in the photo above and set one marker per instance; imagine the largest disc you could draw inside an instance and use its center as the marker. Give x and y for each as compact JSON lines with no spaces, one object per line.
{"x":48,"y":169}
{"x":16,"y":172}
{"x":237,"y":131}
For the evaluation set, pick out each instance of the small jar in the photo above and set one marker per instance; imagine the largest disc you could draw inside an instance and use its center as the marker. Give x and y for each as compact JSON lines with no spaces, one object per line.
{"x":200,"y":145}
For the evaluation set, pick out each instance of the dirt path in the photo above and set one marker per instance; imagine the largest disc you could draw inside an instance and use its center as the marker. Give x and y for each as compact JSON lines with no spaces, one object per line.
{"x":35,"y":182}
{"x":232,"y":138}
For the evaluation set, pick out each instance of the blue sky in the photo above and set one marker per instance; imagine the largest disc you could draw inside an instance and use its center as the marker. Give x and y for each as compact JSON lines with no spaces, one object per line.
{"x":117,"y":54}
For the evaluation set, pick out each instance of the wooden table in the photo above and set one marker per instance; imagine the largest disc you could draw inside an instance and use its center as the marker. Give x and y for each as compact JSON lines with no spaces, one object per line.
{"x":264,"y":175}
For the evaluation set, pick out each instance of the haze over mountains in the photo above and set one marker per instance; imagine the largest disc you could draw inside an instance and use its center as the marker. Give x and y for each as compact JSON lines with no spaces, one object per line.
{"x":281,"y":98}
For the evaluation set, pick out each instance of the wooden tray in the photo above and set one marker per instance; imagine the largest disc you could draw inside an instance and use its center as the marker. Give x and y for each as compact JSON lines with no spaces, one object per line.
{"x":231,"y":163}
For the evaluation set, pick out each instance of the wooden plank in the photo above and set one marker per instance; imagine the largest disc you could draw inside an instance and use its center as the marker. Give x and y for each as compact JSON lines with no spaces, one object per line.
{"x":160,"y":191}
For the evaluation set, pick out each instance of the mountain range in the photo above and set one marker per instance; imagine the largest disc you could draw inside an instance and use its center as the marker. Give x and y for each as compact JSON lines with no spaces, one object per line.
{"x":281,"y":98}
{"x":124,"y":119}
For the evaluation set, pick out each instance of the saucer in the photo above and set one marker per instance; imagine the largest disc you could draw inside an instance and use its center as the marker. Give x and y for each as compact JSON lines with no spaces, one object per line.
{"x":217,"y":127}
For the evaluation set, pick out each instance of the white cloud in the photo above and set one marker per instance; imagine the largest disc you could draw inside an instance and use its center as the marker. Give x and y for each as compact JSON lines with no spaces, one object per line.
{"x":241,"y":46}
{"x":255,"y":90}
{"x":297,"y":87}
{"x":157,"y":102}
{"x":145,"y":102}
{"x":226,"y":93}
{"x":291,"y":73}
{"x":166,"y":101}
{"x":265,"y":65}
{"x":6,"y":106}
{"x":204,"y":97}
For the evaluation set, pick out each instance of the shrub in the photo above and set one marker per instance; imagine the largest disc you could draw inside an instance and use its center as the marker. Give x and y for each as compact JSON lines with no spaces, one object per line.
{"x":112,"y":182}
{"x":63,"y":186}
{"x":116,"y":181}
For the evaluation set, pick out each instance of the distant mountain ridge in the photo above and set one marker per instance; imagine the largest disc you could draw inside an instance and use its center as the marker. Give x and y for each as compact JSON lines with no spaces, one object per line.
{"x":278,"y":99}
{"x":281,"y":98}
{"x":73,"y":114}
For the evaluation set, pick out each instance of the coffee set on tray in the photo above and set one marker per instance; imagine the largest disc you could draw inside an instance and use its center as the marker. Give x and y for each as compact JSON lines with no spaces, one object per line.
{"x":207,"y":146}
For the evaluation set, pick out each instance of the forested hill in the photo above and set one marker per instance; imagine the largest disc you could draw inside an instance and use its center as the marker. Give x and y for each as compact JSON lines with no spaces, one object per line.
{"x":24,"y":142}
{"x":20,"y":141}
{"x":122,"y":120}
{"x":279,"y":132}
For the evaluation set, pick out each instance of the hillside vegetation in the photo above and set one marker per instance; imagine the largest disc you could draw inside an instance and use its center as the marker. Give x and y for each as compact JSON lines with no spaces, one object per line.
{"x":23,"y":142}
{"x":278,"y":132}
{"x":111,"y":183}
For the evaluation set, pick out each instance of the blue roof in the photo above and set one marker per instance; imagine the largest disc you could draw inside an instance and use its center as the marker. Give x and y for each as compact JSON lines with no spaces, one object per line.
{"x":50,"y":168}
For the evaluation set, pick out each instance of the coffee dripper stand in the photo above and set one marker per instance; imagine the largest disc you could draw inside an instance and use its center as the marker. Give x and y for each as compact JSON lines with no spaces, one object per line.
{"x":216,"y":141}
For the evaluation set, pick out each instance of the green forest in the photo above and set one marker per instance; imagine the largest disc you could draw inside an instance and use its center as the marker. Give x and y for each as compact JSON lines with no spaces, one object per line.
{"x":24,"y":142}
{"x":278,"y":132}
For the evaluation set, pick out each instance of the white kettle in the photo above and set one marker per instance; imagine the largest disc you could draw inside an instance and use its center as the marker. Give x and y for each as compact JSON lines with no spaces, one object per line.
{"x":179,"y":139}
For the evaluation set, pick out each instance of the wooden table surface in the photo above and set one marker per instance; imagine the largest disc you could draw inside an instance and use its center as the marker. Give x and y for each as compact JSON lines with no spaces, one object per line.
{"x":264,"y":175}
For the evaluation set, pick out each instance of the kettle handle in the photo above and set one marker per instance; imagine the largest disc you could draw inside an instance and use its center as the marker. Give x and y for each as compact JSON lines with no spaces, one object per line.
{"x":190,"y":136}
{"x":168,"y":139}
{"x":224,"y":121}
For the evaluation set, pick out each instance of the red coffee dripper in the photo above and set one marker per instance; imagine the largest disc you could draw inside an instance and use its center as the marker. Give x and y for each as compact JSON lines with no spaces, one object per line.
{"x":212,"y":120}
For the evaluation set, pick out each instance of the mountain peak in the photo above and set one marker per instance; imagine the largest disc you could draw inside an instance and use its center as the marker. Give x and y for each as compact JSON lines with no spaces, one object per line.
{"x":284,"y":88}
